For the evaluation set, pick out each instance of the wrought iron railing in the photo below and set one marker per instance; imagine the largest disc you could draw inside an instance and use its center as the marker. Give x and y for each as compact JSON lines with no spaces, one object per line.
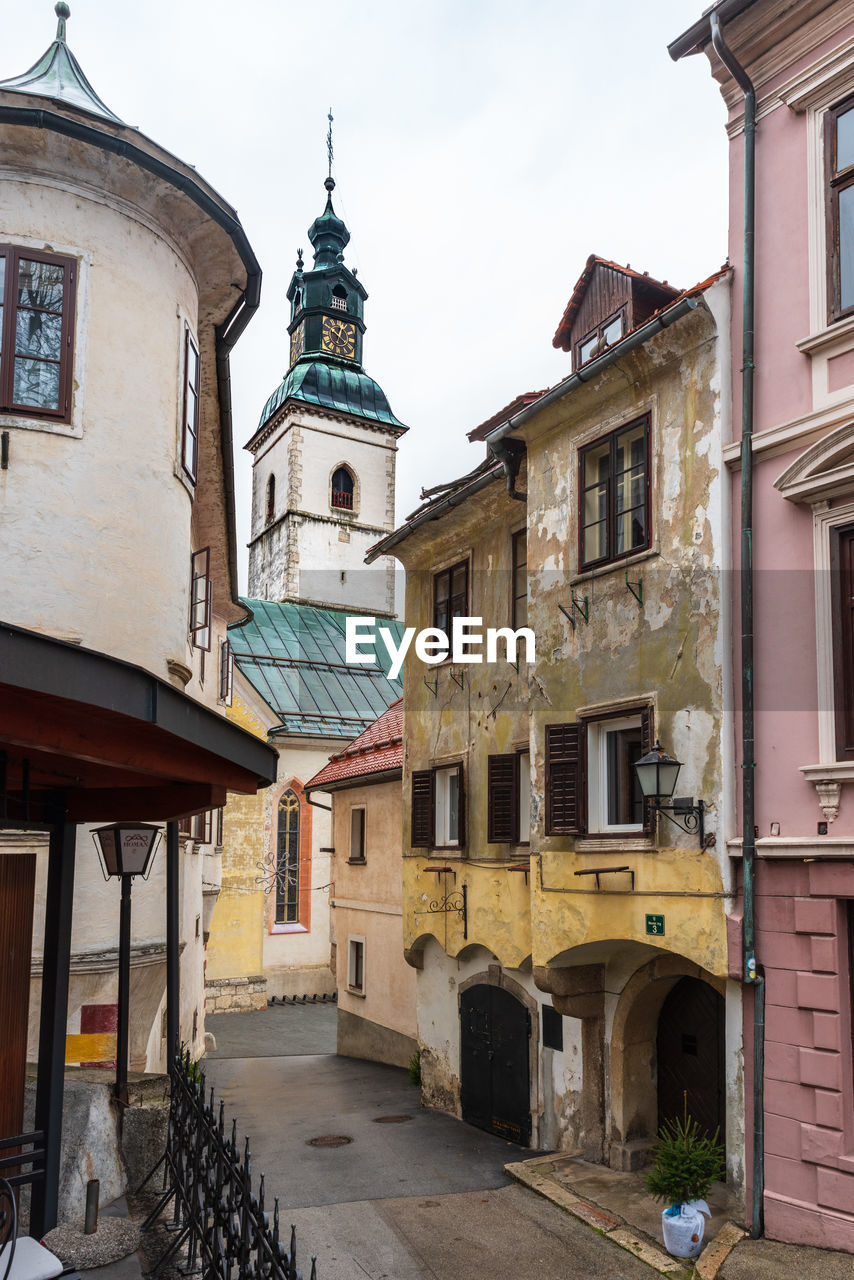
{"x":216,"y":1216}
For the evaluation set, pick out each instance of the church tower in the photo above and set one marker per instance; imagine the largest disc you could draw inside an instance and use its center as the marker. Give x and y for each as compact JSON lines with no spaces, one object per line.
{"x":325,"y":447}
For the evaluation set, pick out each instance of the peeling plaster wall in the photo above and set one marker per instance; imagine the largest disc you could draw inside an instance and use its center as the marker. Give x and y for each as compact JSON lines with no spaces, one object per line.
{"x":556,"y":1084}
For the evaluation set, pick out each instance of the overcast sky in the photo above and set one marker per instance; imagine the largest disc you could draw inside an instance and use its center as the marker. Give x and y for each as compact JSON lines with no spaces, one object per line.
{"x":483,"y":148}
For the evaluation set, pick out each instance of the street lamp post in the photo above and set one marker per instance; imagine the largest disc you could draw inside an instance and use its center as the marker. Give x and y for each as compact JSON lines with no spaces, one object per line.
{"x":126,"y":850}
{"x":657,"y":773}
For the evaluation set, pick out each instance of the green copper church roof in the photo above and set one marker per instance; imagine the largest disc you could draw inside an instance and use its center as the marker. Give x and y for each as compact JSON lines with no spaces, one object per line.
{"x":295,"y":656}
{"x":330,"y":386}
{"x":58,"y":74}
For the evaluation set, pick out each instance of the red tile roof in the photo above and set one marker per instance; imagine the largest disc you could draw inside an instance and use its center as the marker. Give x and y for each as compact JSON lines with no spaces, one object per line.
{"x":376,"y":750}
{"x":521,"y":402}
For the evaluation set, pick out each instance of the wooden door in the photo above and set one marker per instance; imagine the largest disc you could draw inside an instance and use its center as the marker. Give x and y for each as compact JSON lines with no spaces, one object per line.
{"x":494,"y":1066}
{"x":17,"y":895}
{"x":691,"y":1056}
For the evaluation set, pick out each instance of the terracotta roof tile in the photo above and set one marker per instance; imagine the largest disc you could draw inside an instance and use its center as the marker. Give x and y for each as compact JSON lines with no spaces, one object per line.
{"x":521,"y":402}
{"x":377,"y":749}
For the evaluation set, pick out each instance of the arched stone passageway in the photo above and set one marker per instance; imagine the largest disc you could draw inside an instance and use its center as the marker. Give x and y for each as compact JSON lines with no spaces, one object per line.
{"x":633,"y":1055}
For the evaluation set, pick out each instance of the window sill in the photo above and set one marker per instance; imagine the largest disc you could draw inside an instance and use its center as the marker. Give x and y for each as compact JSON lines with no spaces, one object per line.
{"x":354,"y":991}
{"x":836,"y":331}
{"x":288,"y":928}
{"x":357,"y":862}
{"x":619,"y":842}
{"x":26,"y":423}
{"x":614,"y":566}
{"x":827,"y":780}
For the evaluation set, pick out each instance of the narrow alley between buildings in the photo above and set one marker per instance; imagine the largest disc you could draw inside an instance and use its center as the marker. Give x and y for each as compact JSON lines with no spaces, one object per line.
{"x":413,"y":1193}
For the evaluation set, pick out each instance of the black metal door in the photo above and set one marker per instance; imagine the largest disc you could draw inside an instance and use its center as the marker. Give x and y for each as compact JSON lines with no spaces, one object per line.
{"x":494,"y":1074}
{"x":691,"y":1056}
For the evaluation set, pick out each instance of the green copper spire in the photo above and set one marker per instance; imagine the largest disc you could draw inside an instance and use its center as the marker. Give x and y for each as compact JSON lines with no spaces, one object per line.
{"x":328,"y":234}
{"x":58,"y":74}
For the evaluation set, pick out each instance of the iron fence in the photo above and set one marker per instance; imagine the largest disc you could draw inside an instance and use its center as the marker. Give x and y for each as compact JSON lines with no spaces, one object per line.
{"x":216,"y":1216}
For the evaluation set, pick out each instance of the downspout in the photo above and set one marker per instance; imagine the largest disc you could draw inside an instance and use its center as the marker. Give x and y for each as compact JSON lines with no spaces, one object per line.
{"x":752,"y":974}
{"x":511,"y":460}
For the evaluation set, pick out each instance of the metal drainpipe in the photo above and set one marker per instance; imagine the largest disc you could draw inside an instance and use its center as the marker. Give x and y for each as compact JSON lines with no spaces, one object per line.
{"x":752,"y":974}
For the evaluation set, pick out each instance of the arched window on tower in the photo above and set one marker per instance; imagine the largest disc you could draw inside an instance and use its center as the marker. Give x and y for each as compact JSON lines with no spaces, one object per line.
{"x":271,"y":498}
{"x":342,"y":489}
{"x":297,"y":301}
{"x":287,"y":860}
{"x":339,"y":298}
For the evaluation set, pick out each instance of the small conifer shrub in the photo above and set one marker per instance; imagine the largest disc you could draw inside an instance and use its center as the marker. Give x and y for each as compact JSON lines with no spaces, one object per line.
{"x":687,"y":1162}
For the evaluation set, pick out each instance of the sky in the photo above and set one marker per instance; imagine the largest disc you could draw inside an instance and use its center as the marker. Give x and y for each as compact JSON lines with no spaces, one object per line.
{"x":483,"y":149}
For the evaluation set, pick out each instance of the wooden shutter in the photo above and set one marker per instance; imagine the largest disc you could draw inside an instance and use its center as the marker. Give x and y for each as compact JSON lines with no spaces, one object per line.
{"x":422,"y":809}
{"x":565,"y":779}
{"x":502,"y":799}
{"x":647,"y":740}
{"x":462,"y":807}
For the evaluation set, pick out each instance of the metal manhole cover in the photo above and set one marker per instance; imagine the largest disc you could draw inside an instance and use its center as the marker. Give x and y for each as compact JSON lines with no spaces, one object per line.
{"x":391,"y":1119}
{"x":329,"y":1140}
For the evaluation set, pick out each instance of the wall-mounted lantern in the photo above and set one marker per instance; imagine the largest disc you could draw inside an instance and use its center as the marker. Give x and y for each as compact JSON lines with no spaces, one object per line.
{"x":657,"y":773}
{"x":126,"y":849}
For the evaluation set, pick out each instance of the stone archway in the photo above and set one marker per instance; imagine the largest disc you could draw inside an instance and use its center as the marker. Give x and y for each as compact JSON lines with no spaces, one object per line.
{"x":633,"y":1089}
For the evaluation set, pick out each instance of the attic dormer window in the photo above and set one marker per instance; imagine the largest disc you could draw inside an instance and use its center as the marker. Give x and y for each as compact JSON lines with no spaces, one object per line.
{"x":593,"y":344}
{"x":339,"y":298}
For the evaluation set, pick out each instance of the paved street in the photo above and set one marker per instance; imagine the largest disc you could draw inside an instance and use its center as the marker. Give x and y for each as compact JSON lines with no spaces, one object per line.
{"x":416,"y":1198}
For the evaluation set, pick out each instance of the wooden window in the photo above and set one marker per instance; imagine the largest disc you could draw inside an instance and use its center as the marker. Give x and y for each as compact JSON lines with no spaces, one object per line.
{"x":565,"y":779}
{"x":839,"y":201}
{"x":202,"y":827}
{"x":37,"y":292}
{"x":190,"y":431}
{"x":219,"y":821}
{"x":356,"y":965}
{"x":342,"y":489}
{"x":200,"y":599}
{"x":508,"y":798}
{"x":438,"y":807}
{"x":614,"y":512}
{"x":450,"y":595}
{"x":502,"y":799}
{"x":520,"y":579}
{"x":600,"y":338}
{"x":842,"y":595}
{"x":287,"y":859}
{"x":591,"y":784}
{"x":271,"y":499}
{"x":357,"y":835}
{"x":226,"y":673}
{"x":422,"y":809}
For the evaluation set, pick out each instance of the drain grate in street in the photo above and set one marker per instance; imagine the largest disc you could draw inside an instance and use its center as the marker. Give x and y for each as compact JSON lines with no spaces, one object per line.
{"x":329,"y":1140}
{"x":391,"y":1119}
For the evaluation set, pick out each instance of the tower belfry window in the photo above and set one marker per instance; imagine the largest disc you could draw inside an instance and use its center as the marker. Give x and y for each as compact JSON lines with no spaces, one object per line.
{"x":271,"y":498}
{"x":342,"y":489}
{"x":339,"y":298}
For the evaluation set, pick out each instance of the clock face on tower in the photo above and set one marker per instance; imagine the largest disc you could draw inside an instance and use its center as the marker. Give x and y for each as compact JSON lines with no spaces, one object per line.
{"x":297,"y":343}
{"x":339,"y":338}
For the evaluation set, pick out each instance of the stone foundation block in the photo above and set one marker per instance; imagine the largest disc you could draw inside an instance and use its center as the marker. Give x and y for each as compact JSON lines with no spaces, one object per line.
{"x":818,"y":1067}
{"x":815,"y":915}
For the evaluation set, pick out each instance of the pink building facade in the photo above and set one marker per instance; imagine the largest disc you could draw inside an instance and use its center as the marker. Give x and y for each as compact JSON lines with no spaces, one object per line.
{"x":800,"y":57}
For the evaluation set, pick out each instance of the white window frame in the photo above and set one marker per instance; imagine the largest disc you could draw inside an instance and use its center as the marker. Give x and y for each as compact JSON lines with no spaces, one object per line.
{"x":190,"y":430}
{"x":226,"y":673}
{"x":201,"y":599}
{"x":355,"y":942}
{"x":597,"y":776}
{"x":442,"y":808}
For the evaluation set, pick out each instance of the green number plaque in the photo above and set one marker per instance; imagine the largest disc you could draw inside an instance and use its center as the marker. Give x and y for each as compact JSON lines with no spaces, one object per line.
{"x":655,"y":924}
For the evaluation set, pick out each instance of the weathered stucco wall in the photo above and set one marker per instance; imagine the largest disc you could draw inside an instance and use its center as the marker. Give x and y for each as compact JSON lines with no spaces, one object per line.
{"x":367,"y":904}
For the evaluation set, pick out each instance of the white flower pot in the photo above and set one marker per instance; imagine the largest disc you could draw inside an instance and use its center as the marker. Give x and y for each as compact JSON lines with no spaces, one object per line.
{"x":683,"y":1231}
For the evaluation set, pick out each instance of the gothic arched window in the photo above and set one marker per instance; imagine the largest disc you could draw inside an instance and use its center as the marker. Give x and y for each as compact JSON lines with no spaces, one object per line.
{"x":287,"y":859}
{"x":342,"y":488}
{"x":271,"y":498}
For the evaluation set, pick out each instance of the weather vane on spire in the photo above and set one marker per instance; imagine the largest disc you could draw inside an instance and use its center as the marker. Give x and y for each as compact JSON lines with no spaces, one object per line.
{"x":329,"y":152}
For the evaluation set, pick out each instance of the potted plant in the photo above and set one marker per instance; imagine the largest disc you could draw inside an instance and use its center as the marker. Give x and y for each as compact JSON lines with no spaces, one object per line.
{"x":686,"y":1163}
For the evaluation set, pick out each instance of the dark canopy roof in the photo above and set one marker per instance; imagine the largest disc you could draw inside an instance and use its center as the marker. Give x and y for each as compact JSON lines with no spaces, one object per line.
{"x":108,"y":741}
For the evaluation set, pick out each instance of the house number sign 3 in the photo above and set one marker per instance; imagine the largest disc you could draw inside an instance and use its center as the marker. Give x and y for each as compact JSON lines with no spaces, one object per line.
{"x":655,"y":924}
